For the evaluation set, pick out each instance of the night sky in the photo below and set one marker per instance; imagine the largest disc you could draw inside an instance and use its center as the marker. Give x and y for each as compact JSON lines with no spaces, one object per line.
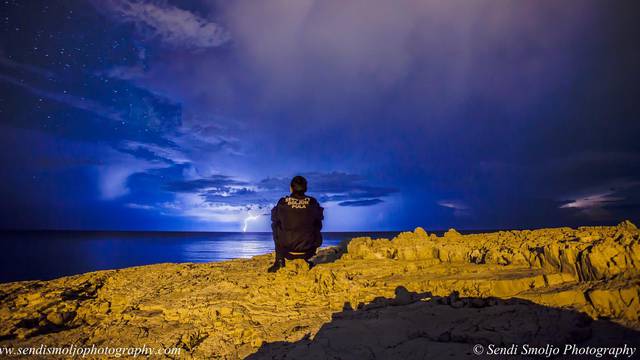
{"x":194,"y":115}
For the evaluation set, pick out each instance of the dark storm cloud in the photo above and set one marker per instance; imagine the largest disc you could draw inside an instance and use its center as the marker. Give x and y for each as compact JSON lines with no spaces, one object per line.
{"x":459,"y":208}
{"x":222,"y":182}
{"x":329,"y":187}
{"x":335,"y":186}
{"x":351,"y":191}
{"x":226,"y":198}
{"x":609,"y":202}
{"x":368,"y":202}
{"x":215,"y":194}
{"x":241,"y":197}
{"x":168,"y":153}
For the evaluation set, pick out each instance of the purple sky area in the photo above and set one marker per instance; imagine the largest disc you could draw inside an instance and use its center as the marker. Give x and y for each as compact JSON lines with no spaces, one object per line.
{"x":194,"y":115}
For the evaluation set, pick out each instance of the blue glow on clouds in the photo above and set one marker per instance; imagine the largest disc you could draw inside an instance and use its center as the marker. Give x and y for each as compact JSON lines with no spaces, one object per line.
{"x":193,"y":115}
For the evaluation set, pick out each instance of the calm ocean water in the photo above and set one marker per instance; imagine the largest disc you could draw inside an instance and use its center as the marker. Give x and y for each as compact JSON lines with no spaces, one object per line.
{"x":44,"y":255}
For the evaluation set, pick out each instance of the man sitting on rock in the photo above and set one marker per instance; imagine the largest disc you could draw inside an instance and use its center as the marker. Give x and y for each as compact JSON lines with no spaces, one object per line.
{"x":296,"y":222}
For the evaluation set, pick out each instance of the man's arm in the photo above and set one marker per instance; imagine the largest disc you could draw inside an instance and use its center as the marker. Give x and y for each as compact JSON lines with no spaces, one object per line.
{"x":319,"y":215}
{"x":275,"y":222}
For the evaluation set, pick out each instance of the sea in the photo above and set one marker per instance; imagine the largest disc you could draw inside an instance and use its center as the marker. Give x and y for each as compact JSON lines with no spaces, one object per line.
{"x":45,"y":255}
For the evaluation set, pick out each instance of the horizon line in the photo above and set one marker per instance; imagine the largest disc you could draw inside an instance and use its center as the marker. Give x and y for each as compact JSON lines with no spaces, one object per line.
{"x":477,"y":230}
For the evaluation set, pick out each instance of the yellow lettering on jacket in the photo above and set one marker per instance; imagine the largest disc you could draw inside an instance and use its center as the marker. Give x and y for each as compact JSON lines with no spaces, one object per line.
{"x":297,"y":203}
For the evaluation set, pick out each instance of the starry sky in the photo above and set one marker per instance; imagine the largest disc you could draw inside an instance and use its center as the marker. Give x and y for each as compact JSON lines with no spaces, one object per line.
{"x":194,"y":115}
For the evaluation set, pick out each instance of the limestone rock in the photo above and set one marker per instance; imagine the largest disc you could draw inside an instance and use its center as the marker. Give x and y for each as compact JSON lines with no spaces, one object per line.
{"x":627,"y":225}
{"x":452,"y":233}
{"x":415,"y":296}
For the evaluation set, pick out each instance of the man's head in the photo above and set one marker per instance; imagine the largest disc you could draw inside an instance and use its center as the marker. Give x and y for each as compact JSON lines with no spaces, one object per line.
{"x":298,"y":185}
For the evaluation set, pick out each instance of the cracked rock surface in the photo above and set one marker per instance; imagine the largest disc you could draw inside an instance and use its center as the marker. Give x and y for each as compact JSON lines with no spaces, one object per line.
{"x":415,"y":296}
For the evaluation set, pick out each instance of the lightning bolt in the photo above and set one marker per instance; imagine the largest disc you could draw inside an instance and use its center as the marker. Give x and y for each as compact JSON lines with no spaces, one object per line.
{"x":246,"y":221}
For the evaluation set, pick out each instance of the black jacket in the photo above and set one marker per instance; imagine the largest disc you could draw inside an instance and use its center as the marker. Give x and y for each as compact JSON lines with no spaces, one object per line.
{"x":296,"y":222}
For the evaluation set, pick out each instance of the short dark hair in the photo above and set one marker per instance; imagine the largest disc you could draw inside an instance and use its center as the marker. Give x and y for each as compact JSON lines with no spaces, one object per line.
{"x":299,"y":185}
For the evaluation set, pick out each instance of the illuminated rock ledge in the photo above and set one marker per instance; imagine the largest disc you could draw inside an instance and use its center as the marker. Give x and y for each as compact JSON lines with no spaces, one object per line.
{"x":415,"y":296}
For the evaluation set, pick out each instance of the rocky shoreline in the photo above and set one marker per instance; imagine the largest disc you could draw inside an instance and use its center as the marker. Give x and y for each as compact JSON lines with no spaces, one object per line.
{"x":415,"y":296}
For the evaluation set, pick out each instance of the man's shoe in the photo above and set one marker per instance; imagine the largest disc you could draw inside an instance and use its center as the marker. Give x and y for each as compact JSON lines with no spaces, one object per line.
{"x":276,"y":266}
{"x":311,"y":264}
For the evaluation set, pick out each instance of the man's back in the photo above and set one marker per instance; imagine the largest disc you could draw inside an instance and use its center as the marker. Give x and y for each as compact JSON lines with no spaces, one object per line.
{"x":296,"y":223}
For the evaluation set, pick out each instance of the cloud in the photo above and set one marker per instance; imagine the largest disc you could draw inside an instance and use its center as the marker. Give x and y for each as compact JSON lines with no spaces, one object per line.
{"x":171,"y":25}
{"x":194,"y":206}
{"x":206,"y":137}
{"x":593,"y":201}
{"x":350,"y":189}
{"x":594,"y":206}
{"x":453,"y":204}
{"x":125,"y":72}
{"x":366,"y":48}
{"x":602,"y":203}
{"x":211,"y":183}
{"x":225,"y":192}
{"x":367,"y":202}
{"x":150,"y":151}
{"x":242,"y":197}
{"x":113,"y":176}
{"x":225,"y":198}
{"x":459,"y":207}
{"x":140,"y":206}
